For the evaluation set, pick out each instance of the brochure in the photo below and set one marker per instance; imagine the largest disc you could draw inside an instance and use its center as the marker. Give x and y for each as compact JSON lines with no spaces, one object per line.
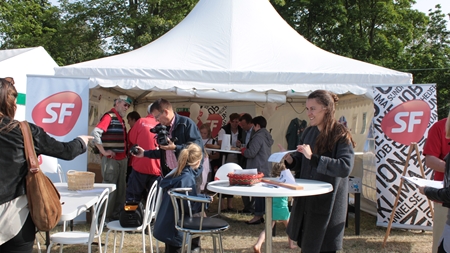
{"x":425,"y":182}
{"x":278,"y":156}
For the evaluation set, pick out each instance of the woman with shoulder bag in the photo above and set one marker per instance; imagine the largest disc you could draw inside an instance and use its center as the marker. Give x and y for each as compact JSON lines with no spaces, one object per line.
{"x":20,"y":233}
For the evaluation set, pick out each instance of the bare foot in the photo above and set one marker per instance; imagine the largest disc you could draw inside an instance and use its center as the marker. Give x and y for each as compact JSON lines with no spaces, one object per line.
{"x":257,"y":249}
{"x":292,"y":246}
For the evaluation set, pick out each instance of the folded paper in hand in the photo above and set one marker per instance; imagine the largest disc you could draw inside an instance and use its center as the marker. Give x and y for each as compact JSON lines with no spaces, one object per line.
{"x":278,"y":156}
{"x":425,"y":182}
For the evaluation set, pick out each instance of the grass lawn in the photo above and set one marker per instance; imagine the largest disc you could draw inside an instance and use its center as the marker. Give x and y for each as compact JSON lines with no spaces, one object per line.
{"x":241,"y":237}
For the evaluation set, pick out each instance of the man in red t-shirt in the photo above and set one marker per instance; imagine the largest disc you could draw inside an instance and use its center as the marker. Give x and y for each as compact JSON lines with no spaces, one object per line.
{"x":436,"y":148}
{"x":145,"y":170}
{"x":110,"y":137}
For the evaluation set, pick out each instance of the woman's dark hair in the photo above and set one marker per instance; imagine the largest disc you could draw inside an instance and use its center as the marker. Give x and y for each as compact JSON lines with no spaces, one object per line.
{"x":8,"y":96}
{"x":259,"y":120}
{"x":332,"y":131}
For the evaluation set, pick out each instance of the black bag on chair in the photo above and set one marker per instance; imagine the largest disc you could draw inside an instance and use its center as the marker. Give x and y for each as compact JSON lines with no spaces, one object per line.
{"x":132,"y":214}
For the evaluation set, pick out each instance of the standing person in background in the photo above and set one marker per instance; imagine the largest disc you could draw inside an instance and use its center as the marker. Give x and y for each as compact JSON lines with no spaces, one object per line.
{"x":145,"y":170}
{"x":18,"y":230}
{"x":235,"y":131}
{"x":181,"y":130}
{"x":436,"y":148}
{"x":245,"y":121}
{"x":132,"y":117}
{"x":208,"y":142}
{"x":325,"y":154}
{"x":110,"y":137}
{"x":443,"y":194}
{"x":257,"y":153}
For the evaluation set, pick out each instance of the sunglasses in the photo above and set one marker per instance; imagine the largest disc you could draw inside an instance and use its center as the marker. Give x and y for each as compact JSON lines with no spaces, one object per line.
{"x":10,"y":80}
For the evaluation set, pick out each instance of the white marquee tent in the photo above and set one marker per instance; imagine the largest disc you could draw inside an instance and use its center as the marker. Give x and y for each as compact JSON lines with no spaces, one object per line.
{"x":18,"y":63}
{"x":233,"y":50}
{"x":241,"y":50}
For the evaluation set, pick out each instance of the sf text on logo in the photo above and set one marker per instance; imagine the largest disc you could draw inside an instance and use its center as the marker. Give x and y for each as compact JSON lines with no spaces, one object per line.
{"x":58,"y":113}
{"x":407,"y":122}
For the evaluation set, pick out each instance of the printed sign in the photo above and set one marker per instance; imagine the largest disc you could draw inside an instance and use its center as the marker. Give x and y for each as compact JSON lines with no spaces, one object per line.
{"x":403,"y":114}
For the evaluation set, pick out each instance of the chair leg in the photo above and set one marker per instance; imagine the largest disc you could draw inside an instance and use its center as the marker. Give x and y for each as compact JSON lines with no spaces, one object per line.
{"x":121,"y":241}
{"x":106,"y":240}
{"x":49,"y":247}
{"x":220,"y":243}
{"x":157,"y":246}
{"x":189,"y":238}
{"x":214,"y":242}
{"x":183,"y":245}
{"x":38,"y":245}
{"x":115,"y":240}
{"x":149,"y":238}
{"x":99,"y":244}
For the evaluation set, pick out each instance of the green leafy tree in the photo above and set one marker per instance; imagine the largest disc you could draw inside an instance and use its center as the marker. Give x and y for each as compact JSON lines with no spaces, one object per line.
{"x":32,"y":23}
{"x":383,"y":32}
{"x":128,"y":25}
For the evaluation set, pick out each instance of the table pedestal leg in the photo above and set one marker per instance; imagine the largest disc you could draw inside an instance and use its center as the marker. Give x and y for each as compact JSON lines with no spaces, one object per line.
{"x":268,"y":225}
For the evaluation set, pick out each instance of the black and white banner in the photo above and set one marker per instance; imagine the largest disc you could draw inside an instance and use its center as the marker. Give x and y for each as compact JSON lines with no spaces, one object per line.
{"x":403,"y":115}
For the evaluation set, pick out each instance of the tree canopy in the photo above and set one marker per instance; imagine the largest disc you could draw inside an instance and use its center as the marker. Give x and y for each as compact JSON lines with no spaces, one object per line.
{"x":384,"y":32}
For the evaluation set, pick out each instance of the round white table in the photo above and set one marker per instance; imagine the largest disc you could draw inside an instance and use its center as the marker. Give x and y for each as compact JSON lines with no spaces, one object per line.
{"x":310,"y":188}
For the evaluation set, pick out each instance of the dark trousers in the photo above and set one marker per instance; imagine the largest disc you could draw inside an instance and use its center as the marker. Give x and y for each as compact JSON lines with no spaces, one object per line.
{"x":249,"y":204}
{"x":176,"y":249}
{"x":138,"y":185}
{"x":260,"y":206}
{"x":23,"y":242}
{"x":441,"y":247}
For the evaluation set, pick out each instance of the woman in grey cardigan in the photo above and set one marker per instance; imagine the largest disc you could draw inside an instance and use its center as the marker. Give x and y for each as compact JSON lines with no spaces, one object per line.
{"x":326,"y":154}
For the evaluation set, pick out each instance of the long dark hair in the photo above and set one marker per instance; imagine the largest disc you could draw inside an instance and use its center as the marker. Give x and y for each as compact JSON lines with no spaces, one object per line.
{"x":332,"y":131}
{"x":8,"y":96}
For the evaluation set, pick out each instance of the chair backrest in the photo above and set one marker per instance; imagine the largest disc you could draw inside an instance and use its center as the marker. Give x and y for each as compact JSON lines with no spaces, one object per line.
{"x":177,"y":202}
{"x":60,"y":173}
{"x":149,"y":213}
{"x":99,"y":209}
{"x":158,"y":202}
{"x":223,"y":170}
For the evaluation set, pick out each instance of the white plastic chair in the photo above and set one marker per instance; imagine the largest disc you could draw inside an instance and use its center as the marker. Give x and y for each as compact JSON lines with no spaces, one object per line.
{"x":149,"y":214}
{"x":156,"y":209}
{"x":222,"y":174}
{"x":87,"y":238}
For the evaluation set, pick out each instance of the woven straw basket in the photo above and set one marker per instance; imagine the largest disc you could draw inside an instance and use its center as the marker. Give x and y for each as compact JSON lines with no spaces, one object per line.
{"x":245,"y":179}
{"x":80,"y":180}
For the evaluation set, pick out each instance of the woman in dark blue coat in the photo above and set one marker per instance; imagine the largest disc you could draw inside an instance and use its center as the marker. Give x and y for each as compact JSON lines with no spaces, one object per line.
{"x":182,"y":177}
{"x":326,"y":154}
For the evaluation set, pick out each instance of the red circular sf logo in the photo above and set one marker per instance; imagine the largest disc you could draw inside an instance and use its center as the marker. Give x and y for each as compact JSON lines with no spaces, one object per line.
{"x":407,"y":122}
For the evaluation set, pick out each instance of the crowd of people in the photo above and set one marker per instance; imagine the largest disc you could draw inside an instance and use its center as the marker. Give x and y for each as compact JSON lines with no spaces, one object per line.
{"x":169,"y":148}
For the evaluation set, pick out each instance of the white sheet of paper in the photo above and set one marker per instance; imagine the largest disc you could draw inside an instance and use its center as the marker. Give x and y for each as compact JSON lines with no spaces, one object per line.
{"x":278,"y":156}
{"x":286,"y":177}
{"x":246,"y":171}
{"x":425,"y":182}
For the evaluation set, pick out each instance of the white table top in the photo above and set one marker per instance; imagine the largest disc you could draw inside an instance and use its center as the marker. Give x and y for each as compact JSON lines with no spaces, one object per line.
{"x":310,"y":187}
{"x":76,"y":202}
{"x":224,"y":150}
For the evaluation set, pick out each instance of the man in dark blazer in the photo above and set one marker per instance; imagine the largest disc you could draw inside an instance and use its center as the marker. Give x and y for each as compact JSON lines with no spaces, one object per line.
{"x":247,"y":133}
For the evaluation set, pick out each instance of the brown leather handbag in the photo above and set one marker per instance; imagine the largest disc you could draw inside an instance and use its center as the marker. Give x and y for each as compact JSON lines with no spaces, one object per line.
{"x":43,"y":197}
